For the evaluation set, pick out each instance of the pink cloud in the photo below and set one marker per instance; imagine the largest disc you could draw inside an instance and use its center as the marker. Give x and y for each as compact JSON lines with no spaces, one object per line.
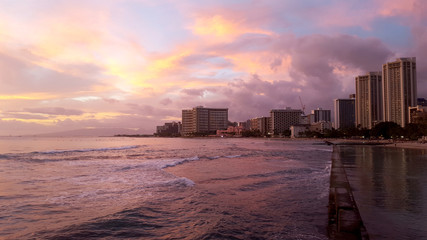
{"x":54,"y":111}
{"x":397,"y":8}
{"x":70,"y":55}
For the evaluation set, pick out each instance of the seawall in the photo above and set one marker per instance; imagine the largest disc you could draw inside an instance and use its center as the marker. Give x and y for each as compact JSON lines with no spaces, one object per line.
{"x":344,"y":220}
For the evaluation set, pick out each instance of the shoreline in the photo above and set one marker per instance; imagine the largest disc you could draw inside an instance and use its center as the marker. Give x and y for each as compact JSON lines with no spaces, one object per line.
{"x":408,"y":145}
{"x":332,"y":141}
{"x":384,"y":143}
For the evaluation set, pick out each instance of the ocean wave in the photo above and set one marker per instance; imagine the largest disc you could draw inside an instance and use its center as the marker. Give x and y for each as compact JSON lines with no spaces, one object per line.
{"x":157,"y":164}
{"x":88,"y":150}
{"x":180,"y":161}
{"x":233,"y":156}
{"x":182,"y":181}
{"x":216,"y":157}
{"x":5,"y":156}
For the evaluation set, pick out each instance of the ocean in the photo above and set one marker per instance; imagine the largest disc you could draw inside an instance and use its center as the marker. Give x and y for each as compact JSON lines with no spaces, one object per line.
{"x":163,"y":188}
{"x":390,"y":187}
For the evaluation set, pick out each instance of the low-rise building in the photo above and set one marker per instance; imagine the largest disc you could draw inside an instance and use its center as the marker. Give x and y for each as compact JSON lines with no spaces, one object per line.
{"x":418,"y":114}
{"x":422,"y":102}
{"x":306,"y":119}
{"x":231,"y":131}
{"x":321,"y":126}
{"x":299,"y":130}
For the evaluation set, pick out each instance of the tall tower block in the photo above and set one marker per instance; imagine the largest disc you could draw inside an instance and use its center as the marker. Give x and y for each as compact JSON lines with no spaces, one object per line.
{"x":399,"y":89}
{"x":369,"y":100}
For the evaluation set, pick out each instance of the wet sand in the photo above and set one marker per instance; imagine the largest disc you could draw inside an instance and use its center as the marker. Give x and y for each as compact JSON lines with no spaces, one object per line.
{"x":410,"y":145}
{"x":385,"y":143}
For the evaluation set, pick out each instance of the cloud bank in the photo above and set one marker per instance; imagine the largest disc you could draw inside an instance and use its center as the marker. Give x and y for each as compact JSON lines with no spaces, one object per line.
{"x":136,"y":64}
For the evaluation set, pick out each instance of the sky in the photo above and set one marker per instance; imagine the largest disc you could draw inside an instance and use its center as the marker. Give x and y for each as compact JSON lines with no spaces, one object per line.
{"x":136,"y":64}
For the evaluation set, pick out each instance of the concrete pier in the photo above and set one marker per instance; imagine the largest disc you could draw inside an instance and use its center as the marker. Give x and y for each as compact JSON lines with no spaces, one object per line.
{"x":343,"y":215}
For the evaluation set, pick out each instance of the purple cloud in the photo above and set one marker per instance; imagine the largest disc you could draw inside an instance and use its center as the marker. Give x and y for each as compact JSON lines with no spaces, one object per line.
{"x":55,"y":111}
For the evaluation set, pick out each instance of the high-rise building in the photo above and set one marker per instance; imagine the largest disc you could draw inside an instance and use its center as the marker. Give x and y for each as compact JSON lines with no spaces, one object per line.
{"x":320,"y":115}
{"x":399,"y":90}
{"x":369,"y":100}
{"x":204,"y":120}
{"x":169,"y":129}
{"x":344,"y":113}
{"x":282,"y":119}
{"x":188,"y":122}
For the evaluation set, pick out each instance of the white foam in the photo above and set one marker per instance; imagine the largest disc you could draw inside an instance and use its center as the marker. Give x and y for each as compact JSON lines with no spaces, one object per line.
{"x":89,"y":150}
{"x":183,"y":181}
{"x":175,"y":162}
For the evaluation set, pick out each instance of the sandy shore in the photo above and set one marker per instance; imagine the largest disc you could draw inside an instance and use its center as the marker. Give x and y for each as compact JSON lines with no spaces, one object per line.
{"x":340,"y":141}
{"x":385,"y":143}
{"x":410,"y":145}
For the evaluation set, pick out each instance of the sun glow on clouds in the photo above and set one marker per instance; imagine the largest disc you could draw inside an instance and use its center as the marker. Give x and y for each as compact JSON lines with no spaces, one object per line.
{"x":216,"y":26}
{"x":263,"y":63}
{"x":221,"y":28}
{"x":50,"y":120}
{"x":71,"y":43}
{"x":396,"y":7}
{"x":3,"y":30}
{"x":67,"y":35}
{"x":29,"y":96}
{"x":162,"y":66}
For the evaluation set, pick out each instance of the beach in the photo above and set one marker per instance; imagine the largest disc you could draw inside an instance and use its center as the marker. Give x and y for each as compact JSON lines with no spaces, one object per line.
{"x":385,"y":143}
{"x":409,"y":145}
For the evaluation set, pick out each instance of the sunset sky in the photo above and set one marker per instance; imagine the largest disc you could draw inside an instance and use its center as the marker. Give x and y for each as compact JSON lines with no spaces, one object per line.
{"x":136,"y":64}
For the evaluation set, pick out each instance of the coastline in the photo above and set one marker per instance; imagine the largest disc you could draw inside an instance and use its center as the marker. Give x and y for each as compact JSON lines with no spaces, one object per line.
{"x":385,"y":143}
{"x":408,"y":145}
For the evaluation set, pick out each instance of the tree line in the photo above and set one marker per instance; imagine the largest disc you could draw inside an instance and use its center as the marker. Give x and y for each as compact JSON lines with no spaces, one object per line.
{"x":382,"y":130}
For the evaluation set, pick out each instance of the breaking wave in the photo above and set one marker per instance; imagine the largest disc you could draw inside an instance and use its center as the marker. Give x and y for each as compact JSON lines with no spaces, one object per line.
{"x":88,"y":150}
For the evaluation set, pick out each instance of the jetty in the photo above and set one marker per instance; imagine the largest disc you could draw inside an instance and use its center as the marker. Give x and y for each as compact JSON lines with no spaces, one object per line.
{"x":344,"y":220}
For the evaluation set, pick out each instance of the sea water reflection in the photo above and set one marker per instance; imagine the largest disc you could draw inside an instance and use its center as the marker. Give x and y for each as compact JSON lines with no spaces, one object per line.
{"x":390,"y":188}
{"x":163,"y":188}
